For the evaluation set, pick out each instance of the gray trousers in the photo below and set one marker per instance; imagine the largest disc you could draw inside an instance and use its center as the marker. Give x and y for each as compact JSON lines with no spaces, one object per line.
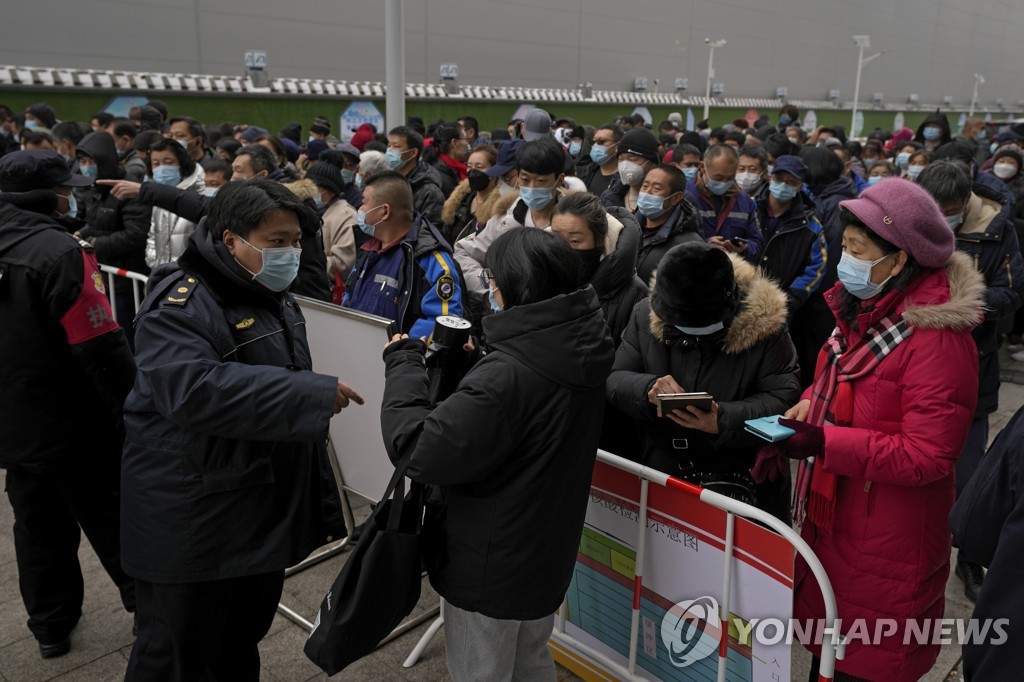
{"x":482,"y":649}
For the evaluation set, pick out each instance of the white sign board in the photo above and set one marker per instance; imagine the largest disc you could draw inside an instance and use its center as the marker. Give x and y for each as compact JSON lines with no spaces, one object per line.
{"x":449,"y":71}
{"x":349,"y":345}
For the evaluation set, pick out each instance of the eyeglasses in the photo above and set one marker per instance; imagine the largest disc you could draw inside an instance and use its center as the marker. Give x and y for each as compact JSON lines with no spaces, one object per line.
{"x":486,"y":277}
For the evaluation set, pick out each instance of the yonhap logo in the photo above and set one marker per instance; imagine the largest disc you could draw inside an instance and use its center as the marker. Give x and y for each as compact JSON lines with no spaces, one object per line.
{"x":684,"y":631}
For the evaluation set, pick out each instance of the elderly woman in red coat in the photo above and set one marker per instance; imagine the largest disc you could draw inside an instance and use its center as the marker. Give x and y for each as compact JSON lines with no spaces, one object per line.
{"x":881,"y":427}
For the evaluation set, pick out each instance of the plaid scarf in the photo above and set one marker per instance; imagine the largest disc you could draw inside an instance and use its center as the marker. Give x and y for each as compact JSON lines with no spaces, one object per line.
{"x":832,"y":405}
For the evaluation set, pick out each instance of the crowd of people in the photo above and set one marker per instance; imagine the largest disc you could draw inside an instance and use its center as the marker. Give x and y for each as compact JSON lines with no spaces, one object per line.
{"x":859,"y":288}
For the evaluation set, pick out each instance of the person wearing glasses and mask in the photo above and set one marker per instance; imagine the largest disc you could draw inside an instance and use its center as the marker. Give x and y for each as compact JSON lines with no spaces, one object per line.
{"x":728,"y":217}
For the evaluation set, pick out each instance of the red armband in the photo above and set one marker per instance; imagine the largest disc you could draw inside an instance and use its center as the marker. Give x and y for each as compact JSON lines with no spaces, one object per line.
{"x":91,"y":315}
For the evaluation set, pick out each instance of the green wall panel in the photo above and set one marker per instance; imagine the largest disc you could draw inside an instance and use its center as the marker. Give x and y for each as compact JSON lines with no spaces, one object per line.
{"x":274,"y":113}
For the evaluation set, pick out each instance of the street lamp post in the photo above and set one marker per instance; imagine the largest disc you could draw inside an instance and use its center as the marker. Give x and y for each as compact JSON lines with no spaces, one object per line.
{"x":711,"y":72}
{"x":862,"y":42}
{"x":978,"y":80}
{"x":394,"y":62}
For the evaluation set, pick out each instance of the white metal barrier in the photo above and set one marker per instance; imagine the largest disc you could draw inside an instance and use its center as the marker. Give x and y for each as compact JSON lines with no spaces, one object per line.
{"x":830,"y":650}
{"x":138,"y":281}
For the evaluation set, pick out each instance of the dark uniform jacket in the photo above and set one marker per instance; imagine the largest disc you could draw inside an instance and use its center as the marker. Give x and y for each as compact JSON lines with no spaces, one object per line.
{"x":220,"y":476}
{"x":65,"y":367}
{"x":512,"y":451}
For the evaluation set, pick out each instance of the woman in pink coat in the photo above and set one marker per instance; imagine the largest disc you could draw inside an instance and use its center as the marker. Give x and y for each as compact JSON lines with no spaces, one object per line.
{"x":880,"y":430}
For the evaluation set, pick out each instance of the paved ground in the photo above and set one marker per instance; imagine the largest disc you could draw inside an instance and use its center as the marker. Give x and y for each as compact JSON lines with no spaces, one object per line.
{"x":103,"y":639}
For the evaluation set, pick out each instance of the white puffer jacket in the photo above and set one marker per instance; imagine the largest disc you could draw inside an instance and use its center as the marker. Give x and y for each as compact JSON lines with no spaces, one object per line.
{"x":169,"y":232}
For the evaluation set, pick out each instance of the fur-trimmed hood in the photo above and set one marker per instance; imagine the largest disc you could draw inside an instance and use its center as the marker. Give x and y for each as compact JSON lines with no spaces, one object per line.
{"x":966,"y":305}
{"x":484,"y":211}
{"x":761,"y":315}
{"x":303,"y":189}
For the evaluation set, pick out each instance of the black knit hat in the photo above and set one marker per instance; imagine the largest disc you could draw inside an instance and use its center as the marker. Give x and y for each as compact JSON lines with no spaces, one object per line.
{"x":642,"y":142}
{"x":695,"y":286}
{"x":327,"y":175}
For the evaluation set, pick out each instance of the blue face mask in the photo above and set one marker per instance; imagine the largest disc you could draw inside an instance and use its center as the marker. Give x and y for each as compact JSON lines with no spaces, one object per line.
{"x":167,"y":175}
{"x":599,"y":155}
{"x":280,"y":266}
{"x":575,"y":147}
{"x":954,"y":221}
{"x":855,"y":274}
{"x":701,"y":331}
{"x":914,"y":171}
{"x":993,"y":147}
{"x":210,"y":191}
{"x":361,"y":217}
{"x":495,"y":308}
{"x":785,"y":120}
{"x":319,"y":201}
{"x":875,"y":179}
{"x":91,"y":172}
{"x":690,"y":173}
{"x":782,"y":192}
{"x":771,"y":168}
{"x":650,"y":206}
{"x":393,"y":158}
{"x":359,"y":181}
{"x":931,"y":134}
{"x":718,"y":187}
{"x":536,"y":197}
{"x":902,"y":159}
{"x":32,"y":124}
{"x":72,"y":211}
{"x":347,"y":176}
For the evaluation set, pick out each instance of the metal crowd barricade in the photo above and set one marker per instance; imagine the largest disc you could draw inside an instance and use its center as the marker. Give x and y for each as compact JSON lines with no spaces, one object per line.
{"x":830,"y":650}
{"x":138,"y":285}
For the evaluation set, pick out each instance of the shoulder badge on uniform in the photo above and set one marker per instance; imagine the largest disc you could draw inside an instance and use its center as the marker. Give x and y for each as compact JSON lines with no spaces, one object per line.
{"x":245,"y":324}
{"x":445,"y":287}
{"x":97,"y":281}
{"x":180,"y":292}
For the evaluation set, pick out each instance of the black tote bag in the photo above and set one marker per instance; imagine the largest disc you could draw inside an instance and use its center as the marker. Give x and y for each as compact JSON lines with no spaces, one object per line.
{"x":379,"y":584}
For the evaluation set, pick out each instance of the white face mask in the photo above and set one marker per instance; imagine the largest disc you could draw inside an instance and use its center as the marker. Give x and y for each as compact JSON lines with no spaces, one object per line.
{"x":1004,"y":171}
{"x":748,"y":182}
{"x":631,"y":173}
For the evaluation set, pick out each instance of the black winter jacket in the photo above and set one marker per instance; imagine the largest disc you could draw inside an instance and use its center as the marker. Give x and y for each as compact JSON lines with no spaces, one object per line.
{"x":312,"y":280}
{"x":988,"y":236}
{"x":750,"y":371}
{"x":427,"y":195}
{"x":681,"y":227}
{"x":988,"y":523}
{"x":615,"y":281}
{"x":117,"y":229}
{"x":512,"y":451}
{"x":65,"y":367}
{"x":220,"y":477}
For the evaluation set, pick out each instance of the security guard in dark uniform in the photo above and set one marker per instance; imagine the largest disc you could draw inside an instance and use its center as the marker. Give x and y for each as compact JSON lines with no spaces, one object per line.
{"x":221,"y":487}
{"x":65,"y":369}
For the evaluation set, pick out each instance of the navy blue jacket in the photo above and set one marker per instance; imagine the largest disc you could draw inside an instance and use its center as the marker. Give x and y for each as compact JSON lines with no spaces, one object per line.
{"x":220,"y":475}
{"x":741,"y":222}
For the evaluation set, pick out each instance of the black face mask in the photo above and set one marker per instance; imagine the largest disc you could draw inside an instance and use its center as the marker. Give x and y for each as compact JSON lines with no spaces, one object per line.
{"x":478,"y":180}
{"x":590,"y":260}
